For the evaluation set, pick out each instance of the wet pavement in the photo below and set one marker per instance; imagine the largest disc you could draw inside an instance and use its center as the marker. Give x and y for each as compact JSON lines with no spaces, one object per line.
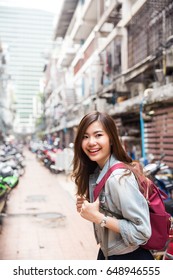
{"x":40,"y":221}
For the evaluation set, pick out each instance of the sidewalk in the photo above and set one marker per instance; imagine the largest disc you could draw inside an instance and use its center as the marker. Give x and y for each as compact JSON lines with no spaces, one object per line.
{"x":41,"y":222}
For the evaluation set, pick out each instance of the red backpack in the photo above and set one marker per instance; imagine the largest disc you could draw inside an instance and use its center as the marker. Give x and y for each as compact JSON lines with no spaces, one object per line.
{"x":159,"y":218}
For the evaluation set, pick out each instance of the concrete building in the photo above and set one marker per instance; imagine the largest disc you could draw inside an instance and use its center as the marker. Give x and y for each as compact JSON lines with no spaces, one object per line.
{"x":119,"y":55}
{"x":7,"y":109}
{"x":28,"y":34}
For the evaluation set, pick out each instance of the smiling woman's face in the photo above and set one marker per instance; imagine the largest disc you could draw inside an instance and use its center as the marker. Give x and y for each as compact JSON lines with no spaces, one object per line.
{"x":96,"y":143}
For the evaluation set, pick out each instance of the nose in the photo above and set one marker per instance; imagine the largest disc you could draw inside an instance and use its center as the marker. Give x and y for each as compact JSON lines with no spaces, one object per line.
{"x":91,"y":140}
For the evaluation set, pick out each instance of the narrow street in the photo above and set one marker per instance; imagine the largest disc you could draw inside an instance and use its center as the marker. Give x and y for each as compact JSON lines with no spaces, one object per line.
{"x":40,"y":220}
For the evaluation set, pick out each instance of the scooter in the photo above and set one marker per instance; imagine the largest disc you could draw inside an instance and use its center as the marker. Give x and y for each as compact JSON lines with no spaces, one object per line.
{"x":162,"y":176}
{"x":8,"y":176}
{"x":12,"y":156}
{"x":4,"y":191}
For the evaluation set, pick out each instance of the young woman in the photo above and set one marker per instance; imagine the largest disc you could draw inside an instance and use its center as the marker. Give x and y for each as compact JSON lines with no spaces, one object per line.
{"x":97,"y":147}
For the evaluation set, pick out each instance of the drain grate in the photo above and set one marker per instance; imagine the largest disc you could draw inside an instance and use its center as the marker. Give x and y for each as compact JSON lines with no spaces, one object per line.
{"x":50,"y":215}
{"x":35,"y":198}
{"x":42,"y":215}
{"x":50,"y":219}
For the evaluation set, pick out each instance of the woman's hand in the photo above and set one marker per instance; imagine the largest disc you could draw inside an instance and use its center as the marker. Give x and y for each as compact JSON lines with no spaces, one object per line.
{"x":90,"y":211}
{"x":79,"y":202}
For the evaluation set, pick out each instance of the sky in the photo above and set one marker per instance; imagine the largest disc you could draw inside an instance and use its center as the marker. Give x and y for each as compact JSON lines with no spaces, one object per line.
{"x":48,"y":5}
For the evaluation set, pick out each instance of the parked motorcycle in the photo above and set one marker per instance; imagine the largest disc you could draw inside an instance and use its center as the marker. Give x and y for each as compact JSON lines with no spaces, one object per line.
{"x":8,"y":176}
{"x":162,"y":176}
{"x":47,"y":154}
{"x":4,"y":191}
{"x":12,"y":166}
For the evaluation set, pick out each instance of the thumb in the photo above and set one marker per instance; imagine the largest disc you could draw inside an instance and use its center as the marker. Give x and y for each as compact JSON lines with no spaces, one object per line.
{"x":97,"y":201}
{"x":85,"y":202}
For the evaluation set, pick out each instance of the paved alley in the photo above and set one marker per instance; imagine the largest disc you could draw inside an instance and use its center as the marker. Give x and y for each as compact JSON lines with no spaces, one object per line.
{"x":41,"y":222}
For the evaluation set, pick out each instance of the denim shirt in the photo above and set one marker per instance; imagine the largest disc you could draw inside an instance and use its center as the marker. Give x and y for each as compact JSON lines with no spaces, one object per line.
{"x":122,"y":196}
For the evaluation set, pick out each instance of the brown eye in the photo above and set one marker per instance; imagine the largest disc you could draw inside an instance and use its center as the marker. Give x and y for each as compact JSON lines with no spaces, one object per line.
{"x":99,"y":135}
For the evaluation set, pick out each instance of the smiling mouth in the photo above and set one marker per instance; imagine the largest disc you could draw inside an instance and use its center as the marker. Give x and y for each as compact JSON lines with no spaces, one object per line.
{"x":93,"y":151}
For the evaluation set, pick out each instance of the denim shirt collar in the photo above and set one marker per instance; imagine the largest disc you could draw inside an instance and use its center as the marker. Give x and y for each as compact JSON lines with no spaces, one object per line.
{"x":98,"y":175}
{"x":111,"y":161}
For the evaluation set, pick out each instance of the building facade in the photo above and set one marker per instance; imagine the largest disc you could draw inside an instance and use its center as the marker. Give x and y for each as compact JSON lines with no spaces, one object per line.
{"x":28,"y":34}
{"x":7,"y":109}
{"x":117,"y":57}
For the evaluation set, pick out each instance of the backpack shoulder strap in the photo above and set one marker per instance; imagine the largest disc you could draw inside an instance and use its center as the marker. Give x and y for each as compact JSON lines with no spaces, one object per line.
{"x":101,"y":184}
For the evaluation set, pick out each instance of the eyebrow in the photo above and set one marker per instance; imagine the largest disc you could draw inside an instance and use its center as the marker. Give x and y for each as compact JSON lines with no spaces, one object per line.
{"x":96,"y":131}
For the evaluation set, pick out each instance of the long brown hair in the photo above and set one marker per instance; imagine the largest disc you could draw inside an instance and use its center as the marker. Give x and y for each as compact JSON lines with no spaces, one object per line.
{"x":82,"y":165}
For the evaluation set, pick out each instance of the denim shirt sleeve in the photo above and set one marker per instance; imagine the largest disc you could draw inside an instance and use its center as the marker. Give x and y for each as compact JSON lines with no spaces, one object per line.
{"x":123,"y":193}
